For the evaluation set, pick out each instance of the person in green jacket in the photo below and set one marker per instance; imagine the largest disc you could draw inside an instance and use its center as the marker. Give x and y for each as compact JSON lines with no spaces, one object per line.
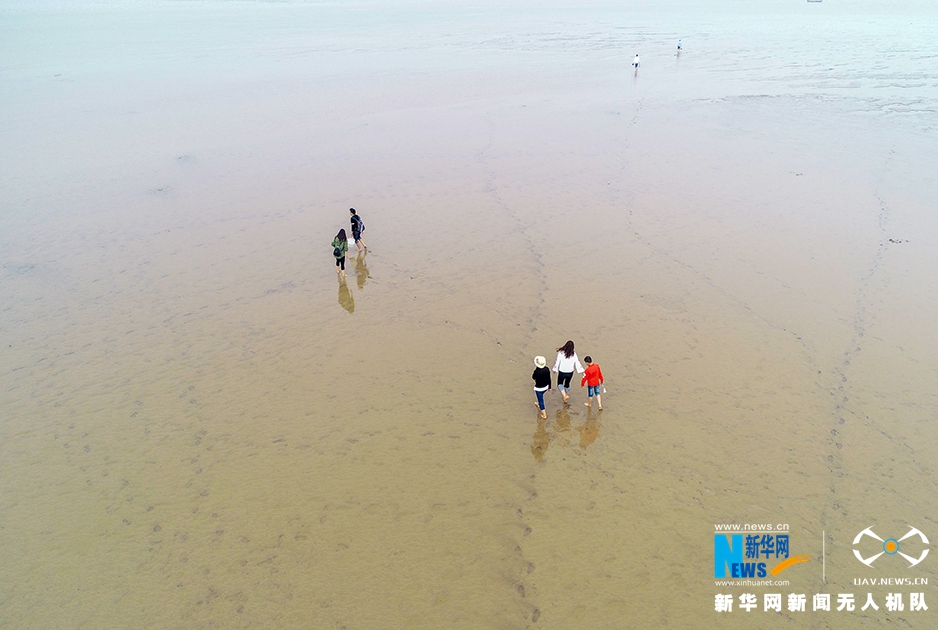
{"x":340,"y":250}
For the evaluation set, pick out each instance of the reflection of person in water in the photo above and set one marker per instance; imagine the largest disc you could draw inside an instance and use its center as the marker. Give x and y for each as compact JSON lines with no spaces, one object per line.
{"x":361,"y":270}
{"x":346,"y":300}
{"x":562,"y":419}
{"x":590,"y":430}
{"x":540,"y":440}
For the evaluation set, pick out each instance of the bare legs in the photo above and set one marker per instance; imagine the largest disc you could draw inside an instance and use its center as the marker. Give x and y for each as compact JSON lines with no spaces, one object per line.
{"x":599,"y":401}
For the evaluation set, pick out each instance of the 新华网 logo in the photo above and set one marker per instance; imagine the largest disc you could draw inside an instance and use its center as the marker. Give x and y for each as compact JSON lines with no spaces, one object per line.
{"x":749,"y":554}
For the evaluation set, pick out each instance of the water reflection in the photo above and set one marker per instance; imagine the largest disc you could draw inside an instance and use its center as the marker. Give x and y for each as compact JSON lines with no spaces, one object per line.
{"x":589,"y":431}
{"x":346,"y":300}
{"x":540,"y":440}
{"x":361,"y":270}
{"x":562,"y":418}
{"x":562,"y":432}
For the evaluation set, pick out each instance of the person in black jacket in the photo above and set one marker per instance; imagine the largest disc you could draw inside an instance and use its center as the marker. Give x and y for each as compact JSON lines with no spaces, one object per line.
{"x":357,"y":228}
{"x":541,"y":378}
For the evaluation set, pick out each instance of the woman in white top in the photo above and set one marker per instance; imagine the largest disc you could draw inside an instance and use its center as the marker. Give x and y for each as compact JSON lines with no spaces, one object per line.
{"x":566,"y":362}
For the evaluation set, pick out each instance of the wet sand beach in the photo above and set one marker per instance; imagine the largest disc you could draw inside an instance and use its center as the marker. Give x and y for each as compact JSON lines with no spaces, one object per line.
{"x":203,"y":427}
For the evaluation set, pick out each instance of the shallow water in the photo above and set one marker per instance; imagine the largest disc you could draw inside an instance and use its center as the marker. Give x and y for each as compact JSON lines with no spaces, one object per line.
{"x":203,"y":427}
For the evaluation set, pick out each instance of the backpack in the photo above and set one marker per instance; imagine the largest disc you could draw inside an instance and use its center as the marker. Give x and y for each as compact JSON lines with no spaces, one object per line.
{"x":337,"y":252}
{"x":360,"y":224}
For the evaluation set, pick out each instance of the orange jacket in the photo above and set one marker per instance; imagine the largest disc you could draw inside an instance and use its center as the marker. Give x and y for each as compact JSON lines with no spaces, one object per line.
{"x":593,"y":376}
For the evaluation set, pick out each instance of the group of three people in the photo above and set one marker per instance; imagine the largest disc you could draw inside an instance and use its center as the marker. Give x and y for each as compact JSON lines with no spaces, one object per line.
{"x":340,"y":242}
{"x":567,"y":362}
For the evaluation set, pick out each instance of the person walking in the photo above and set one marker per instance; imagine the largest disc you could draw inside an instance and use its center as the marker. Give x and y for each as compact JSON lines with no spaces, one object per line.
{"x":340,"y":250}
{"x":357,"y":228}
{"x":541,"y":378}
{"x":566,"y":363}
{"x":593,"y":379}
{"x":636,"y":61}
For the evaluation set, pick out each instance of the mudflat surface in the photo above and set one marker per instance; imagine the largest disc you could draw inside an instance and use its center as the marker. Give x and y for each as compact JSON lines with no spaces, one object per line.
{"x":203,"y":427}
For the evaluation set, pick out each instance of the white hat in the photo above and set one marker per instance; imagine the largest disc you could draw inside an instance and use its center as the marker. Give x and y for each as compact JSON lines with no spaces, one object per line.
{"x":540,"y":361}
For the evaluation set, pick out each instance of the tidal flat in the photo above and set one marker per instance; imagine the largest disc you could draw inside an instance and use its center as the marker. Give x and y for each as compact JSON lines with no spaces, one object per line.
{"x":202,"y":426}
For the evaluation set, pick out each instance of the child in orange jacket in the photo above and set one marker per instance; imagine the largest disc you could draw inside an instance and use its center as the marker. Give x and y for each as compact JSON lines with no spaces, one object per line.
{"x":593,"y":377}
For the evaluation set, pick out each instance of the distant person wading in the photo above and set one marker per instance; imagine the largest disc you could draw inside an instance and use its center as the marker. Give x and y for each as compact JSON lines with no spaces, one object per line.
{"x":340,"y":250}
{"x":357,"y":228}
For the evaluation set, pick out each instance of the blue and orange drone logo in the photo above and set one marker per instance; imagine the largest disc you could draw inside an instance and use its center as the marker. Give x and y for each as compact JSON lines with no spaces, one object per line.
{"x":749,"y":555}
{"x":891,"y":546}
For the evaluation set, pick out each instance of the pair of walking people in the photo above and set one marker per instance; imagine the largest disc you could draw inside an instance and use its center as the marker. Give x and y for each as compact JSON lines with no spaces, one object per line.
{"x":567,"y":362}
{"x":340,"y":242}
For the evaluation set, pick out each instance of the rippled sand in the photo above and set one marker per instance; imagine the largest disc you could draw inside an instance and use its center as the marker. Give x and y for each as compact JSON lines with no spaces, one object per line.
{"x":203,"y":427}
